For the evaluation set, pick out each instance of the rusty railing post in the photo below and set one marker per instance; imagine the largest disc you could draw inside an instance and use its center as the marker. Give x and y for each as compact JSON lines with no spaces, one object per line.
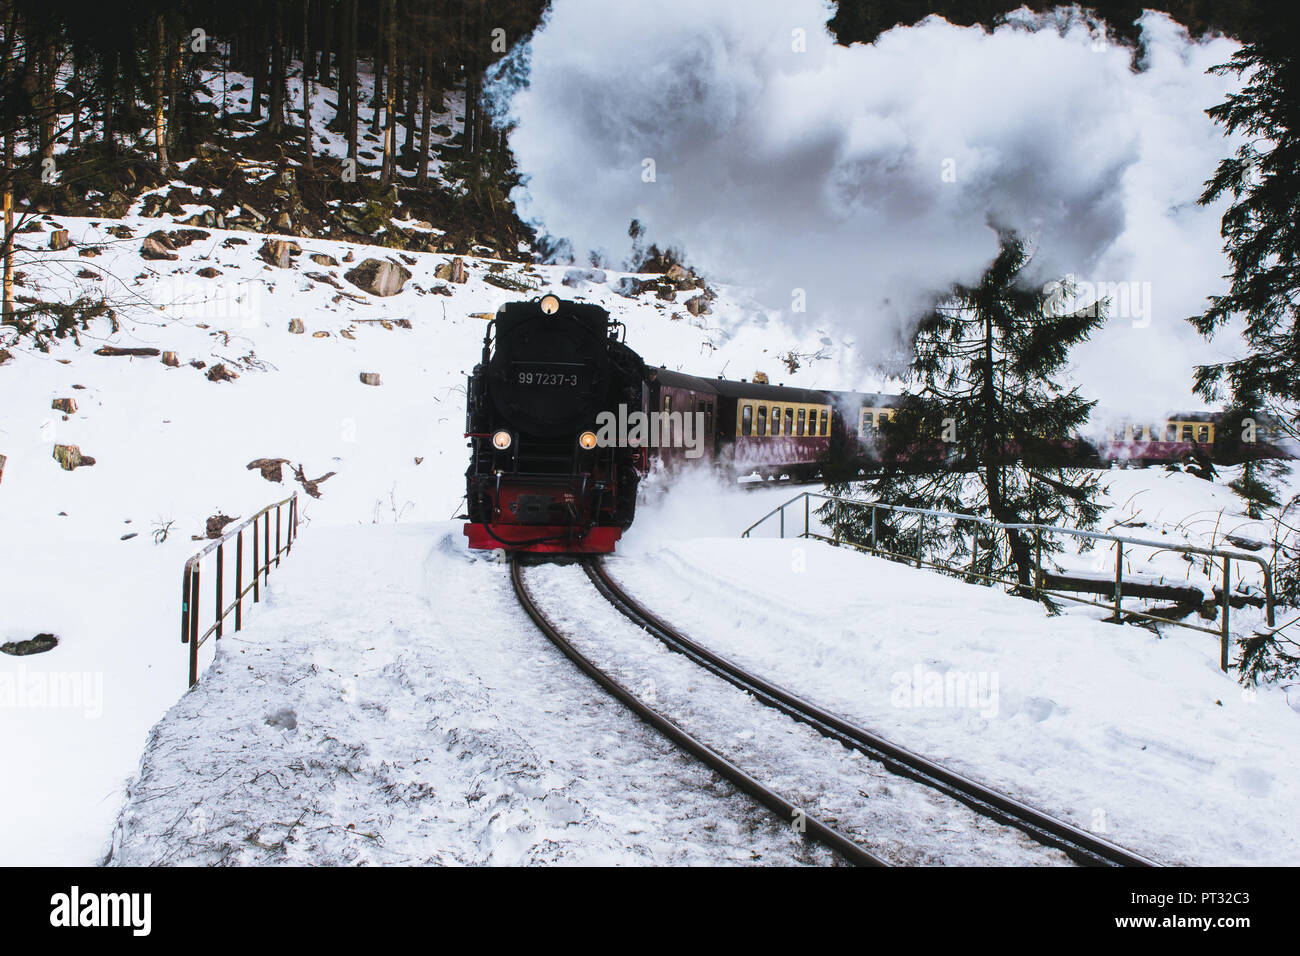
{"x":1225,"y":636}
{"x":1119,"y":580}
{"x":257,"y":574}
{"x":221,"y":591}
{"x":836,"y":522}
{"x":1038,"y":559}
{"x":185,"y":604}
{"x":1268,"y":594}
{"x":194,"y":626}
{"x":277,"y":536}
{"x":239,"y":581}
{"x":266,"y":547}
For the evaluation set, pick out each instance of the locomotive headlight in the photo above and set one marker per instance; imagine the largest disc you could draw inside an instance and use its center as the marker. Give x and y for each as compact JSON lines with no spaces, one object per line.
{"x":587,"y":441}
{"x":501,"y":440}
{"x":550,"y":304}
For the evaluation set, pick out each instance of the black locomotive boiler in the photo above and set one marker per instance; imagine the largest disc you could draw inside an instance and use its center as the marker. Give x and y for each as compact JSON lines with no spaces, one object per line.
{"x":538,"y":478}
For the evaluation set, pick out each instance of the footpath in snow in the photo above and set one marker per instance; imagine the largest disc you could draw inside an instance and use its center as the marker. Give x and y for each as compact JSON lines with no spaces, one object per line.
{"x":389,"y":703}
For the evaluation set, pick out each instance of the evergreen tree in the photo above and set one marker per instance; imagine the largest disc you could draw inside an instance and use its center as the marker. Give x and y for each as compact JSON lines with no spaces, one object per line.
{"x":1261,"y":233}
{"x":986,"y":429}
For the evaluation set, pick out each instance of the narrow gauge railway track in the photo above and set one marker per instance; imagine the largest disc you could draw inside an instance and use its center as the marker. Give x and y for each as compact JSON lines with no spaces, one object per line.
{"x":1080,"y":846}
{"x":784,"y":809}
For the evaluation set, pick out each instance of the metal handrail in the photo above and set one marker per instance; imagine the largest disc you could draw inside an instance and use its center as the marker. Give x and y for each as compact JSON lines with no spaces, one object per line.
{"x":261,"y":573}
{"x":1223,"y":631}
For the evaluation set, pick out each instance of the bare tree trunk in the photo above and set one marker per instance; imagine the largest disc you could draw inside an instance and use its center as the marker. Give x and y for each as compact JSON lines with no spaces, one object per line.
{"x":426,"y":125}
{"x":354,"y":117}
{"x":159,"y":124}
{"x":275,"y":122}
{"x":326,"y":17}
{"x":259,"y":72}
{"x":8,"y":305}
{"x":76,"y":107}
{"x":390,"y":119}
{"x":377,"y":59}
{"x":308,"y":163}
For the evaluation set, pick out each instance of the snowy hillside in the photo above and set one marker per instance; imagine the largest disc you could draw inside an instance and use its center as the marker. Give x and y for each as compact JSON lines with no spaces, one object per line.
{"x":171,"y":448}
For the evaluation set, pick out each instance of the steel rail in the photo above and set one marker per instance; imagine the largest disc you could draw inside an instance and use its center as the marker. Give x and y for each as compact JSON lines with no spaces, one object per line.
{"x":1082,"y":847}
{"x":784,"y":809}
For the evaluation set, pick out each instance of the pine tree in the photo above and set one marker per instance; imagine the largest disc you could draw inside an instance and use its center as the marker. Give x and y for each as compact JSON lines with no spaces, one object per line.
{"x":986,"y":430}
{"x":1261,"y":229}
{"x":1261,"y":233}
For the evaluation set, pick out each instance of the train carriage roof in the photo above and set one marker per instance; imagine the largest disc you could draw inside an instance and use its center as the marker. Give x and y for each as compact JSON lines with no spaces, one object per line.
{"x":681,"y":380}
{"x":759,"y":392}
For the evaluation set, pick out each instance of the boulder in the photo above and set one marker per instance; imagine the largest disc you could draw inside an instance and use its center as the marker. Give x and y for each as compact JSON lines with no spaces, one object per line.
{"x":323,"y":260}
{"x":698,"y":305}
{"x":59,"y":240}
{"x":378,"y":277}
{"x":219,"y":373}
{"x":70,"y":457}
{"x":216,"y":523}
{"x":279,"y":252}
{"x":271,"y":468}
{"x":153,"y":248}
{"x":171,"y":359}
{"x":35,"y":645}
{"x":208,"y":273}
{"x":296,"y":326}
{"x":66,"y":405}
{"x":453,"y":271}
{"x":369,"y":378}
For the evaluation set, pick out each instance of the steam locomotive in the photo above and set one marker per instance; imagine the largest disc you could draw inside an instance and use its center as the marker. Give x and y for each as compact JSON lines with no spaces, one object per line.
{"x":538,"y":480}
{"x":564,"y":419}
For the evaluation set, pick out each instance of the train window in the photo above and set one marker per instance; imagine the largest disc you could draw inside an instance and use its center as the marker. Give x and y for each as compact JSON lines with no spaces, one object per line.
{"x":747,"y":420}
{"x":762,"y":420}
{"x":1203,"y":434}
{"x":800,"y":422}
{"x":776,"y":419}
{"x":789,"y":421}
{"x":862,"y":424}
{"x":1187,"y":433}
{"x":1171,"y":432}
{"x":668,"y":403}
{"x":826,"y":422}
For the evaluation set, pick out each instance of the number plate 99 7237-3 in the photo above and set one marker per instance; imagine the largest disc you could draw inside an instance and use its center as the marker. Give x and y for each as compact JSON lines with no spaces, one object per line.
{"x":548,"y":375}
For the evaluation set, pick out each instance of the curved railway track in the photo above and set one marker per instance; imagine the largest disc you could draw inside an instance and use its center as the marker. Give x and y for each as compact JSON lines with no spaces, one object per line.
{"x":784,"y":809}
{"x":1082,"y":847}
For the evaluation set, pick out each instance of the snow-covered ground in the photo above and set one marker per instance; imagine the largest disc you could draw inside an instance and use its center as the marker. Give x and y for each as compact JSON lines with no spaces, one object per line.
{"x":392,"y":704}
{"x":172,"y":446}
{"x":1111,"y":728}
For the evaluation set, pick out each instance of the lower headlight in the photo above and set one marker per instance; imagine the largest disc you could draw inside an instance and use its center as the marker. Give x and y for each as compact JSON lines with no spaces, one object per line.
{"x":501,"y":440}
{"x":587,"y":440}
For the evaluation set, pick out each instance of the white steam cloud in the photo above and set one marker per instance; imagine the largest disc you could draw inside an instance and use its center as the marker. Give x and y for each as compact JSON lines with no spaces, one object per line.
{"x":873,"y":177}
